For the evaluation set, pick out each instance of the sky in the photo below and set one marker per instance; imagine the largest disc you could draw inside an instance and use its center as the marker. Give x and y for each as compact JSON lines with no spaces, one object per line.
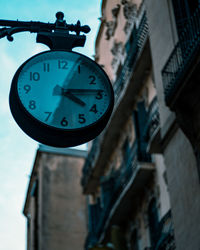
{"x":17,"y":151}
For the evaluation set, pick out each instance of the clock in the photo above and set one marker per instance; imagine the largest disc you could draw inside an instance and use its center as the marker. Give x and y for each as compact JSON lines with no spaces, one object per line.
{"x":61,"y":98}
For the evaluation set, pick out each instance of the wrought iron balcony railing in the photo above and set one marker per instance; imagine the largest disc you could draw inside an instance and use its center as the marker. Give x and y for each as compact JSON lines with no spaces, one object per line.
{"x":118,"y":182}
{"x":165,"y":239}
{"x":112,"y":188}
{"x":136,"y":47}
{"x":115,"y":183}
{"x":165,"y":235}
{"x":181,"y":58}
{"x":88,"y":166}
{"x":139,"y":36}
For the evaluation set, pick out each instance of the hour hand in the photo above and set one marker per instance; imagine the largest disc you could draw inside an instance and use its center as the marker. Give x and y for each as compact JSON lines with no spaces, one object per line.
{"x":73,"y":98}
{"x":61,"y":91}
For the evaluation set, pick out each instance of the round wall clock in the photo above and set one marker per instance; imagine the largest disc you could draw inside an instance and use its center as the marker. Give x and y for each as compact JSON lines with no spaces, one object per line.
{"x":61,"y":98}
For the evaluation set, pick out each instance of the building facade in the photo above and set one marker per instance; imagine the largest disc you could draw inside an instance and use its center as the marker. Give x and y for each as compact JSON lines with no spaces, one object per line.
{"x":141,"y":177}
{"x":176,"y":78}
{"x":55,"y":207}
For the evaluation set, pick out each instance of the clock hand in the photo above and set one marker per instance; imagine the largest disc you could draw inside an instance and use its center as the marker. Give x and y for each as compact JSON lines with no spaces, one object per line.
{"x":73,"y":98}
{"x":61,"y":91}
{"x":84,"y":91}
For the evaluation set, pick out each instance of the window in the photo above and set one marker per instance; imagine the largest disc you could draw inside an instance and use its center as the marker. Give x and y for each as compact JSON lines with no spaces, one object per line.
{"x":140,"y":120}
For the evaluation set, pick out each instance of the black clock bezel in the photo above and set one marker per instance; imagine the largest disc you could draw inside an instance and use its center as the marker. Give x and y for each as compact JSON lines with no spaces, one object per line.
{"x":50,"y":135}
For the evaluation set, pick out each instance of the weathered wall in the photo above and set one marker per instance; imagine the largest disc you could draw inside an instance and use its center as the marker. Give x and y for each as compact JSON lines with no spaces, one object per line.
{"x":179,"y":159}
{"x":184,"y":188}
{"x":162,"y":41}
{"x":163,"y":193}
{"x":63,"y":206}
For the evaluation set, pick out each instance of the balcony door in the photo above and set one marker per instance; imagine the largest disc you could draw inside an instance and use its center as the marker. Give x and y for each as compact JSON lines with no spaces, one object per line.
{"x":140,"y":117}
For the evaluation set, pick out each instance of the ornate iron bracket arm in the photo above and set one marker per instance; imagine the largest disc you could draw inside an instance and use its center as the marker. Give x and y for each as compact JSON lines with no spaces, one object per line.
{"x":55,"y":35}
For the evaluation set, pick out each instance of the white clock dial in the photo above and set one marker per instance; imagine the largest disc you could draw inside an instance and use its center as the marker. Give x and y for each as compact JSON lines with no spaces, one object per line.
{"x":61,"y":98}
{"x":64,"y":90}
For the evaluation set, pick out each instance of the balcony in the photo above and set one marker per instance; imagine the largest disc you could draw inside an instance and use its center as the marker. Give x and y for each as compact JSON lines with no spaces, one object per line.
{"x":118,"y":193}
{"x":152,"y":130}
{"x":183,"y":62}
{"x":127,"y":87}
{"x":134,"y":47}
{"x":88,"y":168}
{"x":165,"y":237}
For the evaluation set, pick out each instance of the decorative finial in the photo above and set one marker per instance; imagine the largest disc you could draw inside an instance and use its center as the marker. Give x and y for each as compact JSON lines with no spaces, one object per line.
{"x":60,"y":15}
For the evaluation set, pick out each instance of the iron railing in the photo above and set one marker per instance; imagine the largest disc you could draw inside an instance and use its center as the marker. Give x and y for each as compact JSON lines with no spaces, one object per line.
{"x":118,"y":182}
{"x":165,"y":235}
{"x":181,"y":57}
{"x":88,"y":165}
{"x":165,"y":238}
{"x":115,"y":184}
{"x":133,"y":53}
{"x":139,"y":36}
{"x":112,"y":187}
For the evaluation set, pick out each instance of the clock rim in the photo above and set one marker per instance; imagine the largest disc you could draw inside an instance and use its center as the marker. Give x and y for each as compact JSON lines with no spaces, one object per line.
{"x":30,"y":125}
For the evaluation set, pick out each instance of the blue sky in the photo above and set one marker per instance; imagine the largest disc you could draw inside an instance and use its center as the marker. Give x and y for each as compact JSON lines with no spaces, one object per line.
{"x":17,"y":150}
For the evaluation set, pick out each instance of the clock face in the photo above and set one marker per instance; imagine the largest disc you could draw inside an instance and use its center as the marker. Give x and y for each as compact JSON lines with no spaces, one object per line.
{"x":64,"y":90}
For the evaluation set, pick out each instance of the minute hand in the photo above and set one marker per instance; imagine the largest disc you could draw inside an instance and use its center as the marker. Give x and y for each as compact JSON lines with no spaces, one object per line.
{"x":84,"y":91}
{"x":61,"y":91}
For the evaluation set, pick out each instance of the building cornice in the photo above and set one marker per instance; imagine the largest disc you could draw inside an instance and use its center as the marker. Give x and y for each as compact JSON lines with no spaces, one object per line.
{"x":33,"y":177}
